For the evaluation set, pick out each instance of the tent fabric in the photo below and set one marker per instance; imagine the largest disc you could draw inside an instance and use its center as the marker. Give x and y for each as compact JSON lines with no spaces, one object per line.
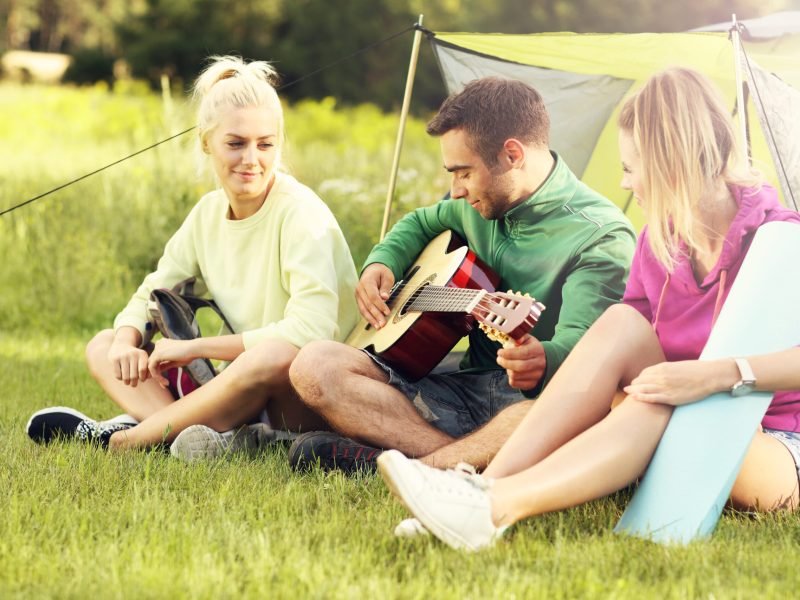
{"x":769,"y":26}
{"x":564,"y":67}
{"x":567,"y":94}
{"x":778,"y":108}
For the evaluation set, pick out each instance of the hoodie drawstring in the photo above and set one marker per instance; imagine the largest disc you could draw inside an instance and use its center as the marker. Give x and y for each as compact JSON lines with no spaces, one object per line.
{"x":660,"y":302}
{"x":723,"y":277}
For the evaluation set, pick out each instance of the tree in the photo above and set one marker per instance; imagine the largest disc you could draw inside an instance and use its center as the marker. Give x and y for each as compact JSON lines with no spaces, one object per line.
{"x":174,"y":37}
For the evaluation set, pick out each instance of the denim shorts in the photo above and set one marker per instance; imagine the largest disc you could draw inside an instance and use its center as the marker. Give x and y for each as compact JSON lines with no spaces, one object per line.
{"x":790,"y":439}
{"x":456,"y":403}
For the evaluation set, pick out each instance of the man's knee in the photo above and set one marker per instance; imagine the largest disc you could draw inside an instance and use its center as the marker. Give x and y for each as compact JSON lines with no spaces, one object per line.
{"x":97,"y":350}
{"x":314,"y":368}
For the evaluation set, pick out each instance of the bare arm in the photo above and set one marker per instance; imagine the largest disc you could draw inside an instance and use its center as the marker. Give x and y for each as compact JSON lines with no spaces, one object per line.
{"x":176,"y":353}
{"x":687,"y":381}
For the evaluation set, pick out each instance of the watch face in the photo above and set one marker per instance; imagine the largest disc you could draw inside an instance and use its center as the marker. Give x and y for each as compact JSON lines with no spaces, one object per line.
{"x":742,"y":388}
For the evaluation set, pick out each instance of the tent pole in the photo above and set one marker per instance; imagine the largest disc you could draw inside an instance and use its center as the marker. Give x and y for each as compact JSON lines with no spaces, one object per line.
{"x":412,"y":69}
{"x":737,"y":61}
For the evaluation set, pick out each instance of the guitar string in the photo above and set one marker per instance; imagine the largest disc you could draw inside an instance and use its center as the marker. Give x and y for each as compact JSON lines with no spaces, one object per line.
{"x":448,"y":299}
{"x":486,"y":310}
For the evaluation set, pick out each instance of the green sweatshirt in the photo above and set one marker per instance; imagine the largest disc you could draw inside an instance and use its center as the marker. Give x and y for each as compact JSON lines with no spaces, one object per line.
{"x":566,"y":246}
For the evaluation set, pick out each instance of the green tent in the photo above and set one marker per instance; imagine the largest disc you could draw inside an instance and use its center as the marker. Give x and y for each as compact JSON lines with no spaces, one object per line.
{"x":584,"y":77}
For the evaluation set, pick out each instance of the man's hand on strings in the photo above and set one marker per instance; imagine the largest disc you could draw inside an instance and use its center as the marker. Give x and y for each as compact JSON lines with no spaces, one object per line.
{"x":373,"y":292}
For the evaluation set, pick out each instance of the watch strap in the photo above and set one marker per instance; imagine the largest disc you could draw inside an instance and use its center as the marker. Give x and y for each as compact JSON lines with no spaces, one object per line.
{"x":745,"y":371}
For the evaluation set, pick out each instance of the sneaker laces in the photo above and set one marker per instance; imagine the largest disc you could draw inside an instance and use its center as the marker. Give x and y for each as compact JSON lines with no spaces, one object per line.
{"x":92,"y":431}
{"x":467,"y":472}
{"x":455,"y":478}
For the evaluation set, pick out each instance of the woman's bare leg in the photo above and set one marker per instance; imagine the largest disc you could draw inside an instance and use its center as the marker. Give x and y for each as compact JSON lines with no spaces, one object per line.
{"x":236,"y":396}
{"x":768,"y":477}
{"x":601,"y":460}
{"x":612,"y":352}
{"x":616,"y":451}
{"x":141,"y":401}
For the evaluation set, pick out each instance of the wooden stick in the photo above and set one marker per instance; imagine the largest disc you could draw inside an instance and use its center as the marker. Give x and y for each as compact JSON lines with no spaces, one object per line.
{"x":412,"y":69}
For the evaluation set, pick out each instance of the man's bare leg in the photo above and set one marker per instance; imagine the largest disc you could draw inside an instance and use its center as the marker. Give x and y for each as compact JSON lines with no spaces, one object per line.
{"x":480,"y":447}
{"x":351,"y":392}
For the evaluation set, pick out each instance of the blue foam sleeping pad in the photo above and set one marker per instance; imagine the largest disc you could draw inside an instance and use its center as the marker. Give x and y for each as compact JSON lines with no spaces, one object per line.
{"x":690,"y":477}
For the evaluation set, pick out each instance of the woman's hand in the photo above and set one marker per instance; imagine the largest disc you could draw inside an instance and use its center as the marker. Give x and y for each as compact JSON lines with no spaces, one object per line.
{"x":128,"y":362}
{"x":682,"y":382}
{"x":169,"y":354}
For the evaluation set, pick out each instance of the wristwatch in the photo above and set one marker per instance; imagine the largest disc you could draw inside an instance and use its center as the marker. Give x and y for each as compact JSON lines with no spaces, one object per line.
{"x":747,"y":383}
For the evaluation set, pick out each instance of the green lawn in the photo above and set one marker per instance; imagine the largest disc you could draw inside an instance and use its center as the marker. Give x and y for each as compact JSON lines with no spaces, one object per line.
{"x":79,"y":522}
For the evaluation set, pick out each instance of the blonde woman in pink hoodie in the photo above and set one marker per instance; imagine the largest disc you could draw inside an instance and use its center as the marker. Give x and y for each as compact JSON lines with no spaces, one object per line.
{"x":680,"y":160}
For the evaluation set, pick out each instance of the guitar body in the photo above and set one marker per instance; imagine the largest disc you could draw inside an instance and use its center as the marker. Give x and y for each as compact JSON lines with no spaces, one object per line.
{"x":414,"y":342}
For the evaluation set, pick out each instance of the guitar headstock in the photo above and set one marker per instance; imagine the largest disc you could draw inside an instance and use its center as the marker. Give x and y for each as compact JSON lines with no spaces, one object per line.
{"x":506,"y":317}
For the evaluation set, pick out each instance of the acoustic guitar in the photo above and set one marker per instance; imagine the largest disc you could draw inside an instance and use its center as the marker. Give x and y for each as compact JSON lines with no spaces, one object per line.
{"x":437,"y":302}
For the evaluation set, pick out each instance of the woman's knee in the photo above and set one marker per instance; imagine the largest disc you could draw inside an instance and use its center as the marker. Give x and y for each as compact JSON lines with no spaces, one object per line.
{"x":622,"y":317}
{"x":265,"y":364}
{"x":97,"y":350}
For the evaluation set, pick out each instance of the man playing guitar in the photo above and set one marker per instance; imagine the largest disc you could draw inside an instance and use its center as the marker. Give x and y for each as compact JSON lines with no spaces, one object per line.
{"x":523,"y":213}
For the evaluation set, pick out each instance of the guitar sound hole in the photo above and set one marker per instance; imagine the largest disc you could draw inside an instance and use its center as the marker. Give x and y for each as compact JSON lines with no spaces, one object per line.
{"x":412,"y":298}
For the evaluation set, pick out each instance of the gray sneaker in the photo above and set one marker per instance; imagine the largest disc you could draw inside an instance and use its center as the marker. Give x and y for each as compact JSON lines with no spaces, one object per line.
{"x":198,"y":442}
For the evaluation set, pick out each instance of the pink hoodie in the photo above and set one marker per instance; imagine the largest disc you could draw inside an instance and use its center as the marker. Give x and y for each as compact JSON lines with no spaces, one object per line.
{"x":682,"y":312}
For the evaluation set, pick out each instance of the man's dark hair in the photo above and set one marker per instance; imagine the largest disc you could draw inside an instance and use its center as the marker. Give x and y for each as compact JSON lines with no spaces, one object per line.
{"x":492,"y":110}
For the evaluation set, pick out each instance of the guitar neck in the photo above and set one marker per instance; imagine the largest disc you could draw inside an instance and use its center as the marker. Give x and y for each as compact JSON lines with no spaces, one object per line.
{"x":435,"y":298}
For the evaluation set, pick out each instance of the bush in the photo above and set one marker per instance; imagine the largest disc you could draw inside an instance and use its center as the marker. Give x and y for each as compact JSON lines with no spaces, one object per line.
{"x":90,"y":65}
{"x":72,"y":259}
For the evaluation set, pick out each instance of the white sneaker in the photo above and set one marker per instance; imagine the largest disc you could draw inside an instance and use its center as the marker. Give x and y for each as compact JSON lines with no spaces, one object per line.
{"x":410,"y":528}
{"x":198,"y":442}
{"x":453,"y":505}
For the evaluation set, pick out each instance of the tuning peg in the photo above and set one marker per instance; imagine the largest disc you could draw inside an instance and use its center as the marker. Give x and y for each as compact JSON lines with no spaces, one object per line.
{"x":496,"y":336}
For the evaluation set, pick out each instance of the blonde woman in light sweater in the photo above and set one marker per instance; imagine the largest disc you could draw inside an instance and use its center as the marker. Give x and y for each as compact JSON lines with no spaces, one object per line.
{"x":274,"y":259}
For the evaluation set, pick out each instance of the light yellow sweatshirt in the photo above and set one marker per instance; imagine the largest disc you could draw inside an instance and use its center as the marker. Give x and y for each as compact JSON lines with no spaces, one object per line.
{"x":284,"y":273}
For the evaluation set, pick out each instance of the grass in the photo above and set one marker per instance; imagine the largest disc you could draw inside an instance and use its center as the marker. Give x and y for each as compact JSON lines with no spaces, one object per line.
{"x":80,"y":522}
{"x":72,"y":259}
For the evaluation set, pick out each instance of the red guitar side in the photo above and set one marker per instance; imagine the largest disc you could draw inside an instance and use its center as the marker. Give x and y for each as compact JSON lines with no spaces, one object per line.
{"x":436,"y":304}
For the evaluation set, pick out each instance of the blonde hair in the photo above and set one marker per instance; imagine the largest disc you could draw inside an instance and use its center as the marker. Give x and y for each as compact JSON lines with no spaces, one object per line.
{"x":684,"y":136}
{"x":230,"y":82}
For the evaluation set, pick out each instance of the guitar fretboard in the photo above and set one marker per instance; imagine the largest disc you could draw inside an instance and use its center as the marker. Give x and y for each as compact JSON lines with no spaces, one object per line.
{"x":436,"y":298}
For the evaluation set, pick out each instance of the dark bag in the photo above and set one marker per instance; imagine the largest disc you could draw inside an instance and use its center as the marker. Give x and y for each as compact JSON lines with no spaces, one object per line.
{"x":174,"y":314}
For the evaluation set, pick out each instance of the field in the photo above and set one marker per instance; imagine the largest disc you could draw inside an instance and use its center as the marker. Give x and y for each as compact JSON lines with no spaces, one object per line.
{"x":80,"y":522}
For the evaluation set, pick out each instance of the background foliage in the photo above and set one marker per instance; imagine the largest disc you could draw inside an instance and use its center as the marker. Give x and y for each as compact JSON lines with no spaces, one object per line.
{"x":72,"y":259}
{"x":172,"y":37}
{"x":249,"y":527}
